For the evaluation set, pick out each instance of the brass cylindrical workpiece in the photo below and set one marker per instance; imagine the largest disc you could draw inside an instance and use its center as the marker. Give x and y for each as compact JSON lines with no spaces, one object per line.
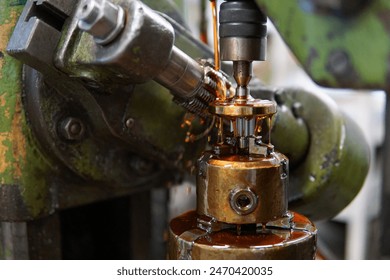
{"x":238,"y":189}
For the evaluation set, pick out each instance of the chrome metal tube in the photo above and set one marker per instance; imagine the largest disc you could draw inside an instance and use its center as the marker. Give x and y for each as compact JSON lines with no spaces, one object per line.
{"x":183,"y":75}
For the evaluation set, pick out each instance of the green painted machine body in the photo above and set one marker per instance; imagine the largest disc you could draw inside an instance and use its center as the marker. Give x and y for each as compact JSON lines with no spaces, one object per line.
{"x":33,"y":181}
{"x":337,"y":51}
{"x":336,"y":159}
{"x":24,"y":172}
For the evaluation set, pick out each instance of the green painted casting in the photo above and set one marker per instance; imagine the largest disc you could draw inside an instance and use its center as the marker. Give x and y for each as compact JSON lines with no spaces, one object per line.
{"x":337,"y":159}
{"x":21,"y":164}
{"x":151,"y":105}
{"x":337,"y":51}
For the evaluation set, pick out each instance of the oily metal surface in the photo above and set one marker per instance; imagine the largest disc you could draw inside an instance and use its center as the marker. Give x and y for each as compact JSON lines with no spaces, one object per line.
{"x":186,"y":241}
{"x":104,"y":165}
{"x":221,"y":177}
{"x":79,"y":55}
{"x":249,"y":109}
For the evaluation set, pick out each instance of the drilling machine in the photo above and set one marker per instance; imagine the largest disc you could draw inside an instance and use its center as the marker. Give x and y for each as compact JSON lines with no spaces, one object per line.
{"x":242,"y":182}
{"x":95,"y":96}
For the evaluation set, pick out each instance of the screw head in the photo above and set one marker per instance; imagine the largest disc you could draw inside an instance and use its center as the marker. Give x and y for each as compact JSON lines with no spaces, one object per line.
{"x":72,"y":129}
{"x":129,"y":123}
{"x":338,"y":62}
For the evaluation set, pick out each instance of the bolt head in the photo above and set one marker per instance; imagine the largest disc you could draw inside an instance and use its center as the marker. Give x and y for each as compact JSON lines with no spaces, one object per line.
{"x":72,"y":129}
{"x":338,"y":62}
{"x":129,"y":123}
{"x":102,"y":19}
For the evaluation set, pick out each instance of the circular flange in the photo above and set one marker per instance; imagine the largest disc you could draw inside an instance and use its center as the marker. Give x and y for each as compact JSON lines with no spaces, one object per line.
{"x":250,"y":108}
{"x":187,"y":241}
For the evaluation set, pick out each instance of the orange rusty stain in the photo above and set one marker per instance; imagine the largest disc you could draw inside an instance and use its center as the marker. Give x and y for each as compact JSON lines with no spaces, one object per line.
{"x":4,"y":164}
{"x":15,"y":134}
{"x":5,"y":30}
{"x":3,"y":103}
{"x":7,"y":113}
{"x":18,"y":140}
{"x":3,"y":100}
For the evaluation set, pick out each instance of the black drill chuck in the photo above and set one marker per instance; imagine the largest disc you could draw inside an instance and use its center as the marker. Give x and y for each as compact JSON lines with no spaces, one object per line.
{"x":242,"y":31}
{"x":242,"y":19}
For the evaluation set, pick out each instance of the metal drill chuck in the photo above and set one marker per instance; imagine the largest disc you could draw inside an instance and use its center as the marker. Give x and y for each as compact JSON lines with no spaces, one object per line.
{"x":242,"y":19}
{"x":242,"y":31}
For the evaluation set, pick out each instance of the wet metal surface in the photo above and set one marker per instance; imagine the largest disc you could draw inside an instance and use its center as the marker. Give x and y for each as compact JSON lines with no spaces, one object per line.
{"x":188,"y":242}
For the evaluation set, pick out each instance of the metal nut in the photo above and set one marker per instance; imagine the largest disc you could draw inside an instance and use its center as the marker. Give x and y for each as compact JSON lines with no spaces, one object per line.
{"x":102,"y":19}
{"x":72,"y":129}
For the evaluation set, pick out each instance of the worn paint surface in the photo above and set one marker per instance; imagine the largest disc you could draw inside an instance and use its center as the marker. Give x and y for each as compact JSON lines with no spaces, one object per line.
{"x":337,"y":160}
{"x":337,"y":51}
{"x":165,"y":126}
{"x":11,"y":137}
{"x":21,"y":164}
{"x":158,"y":119}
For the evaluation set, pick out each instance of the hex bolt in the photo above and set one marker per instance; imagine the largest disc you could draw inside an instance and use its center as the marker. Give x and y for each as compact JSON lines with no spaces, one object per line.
{"x":71,"y":129}
{"x":102,"y":19}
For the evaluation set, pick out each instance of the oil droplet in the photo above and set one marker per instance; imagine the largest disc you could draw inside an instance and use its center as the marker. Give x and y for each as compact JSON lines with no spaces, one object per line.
{"x":220,"y":130}
{"x":269,"y":123}
{"x":188,"y":137}
{"x":259,"y":123}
